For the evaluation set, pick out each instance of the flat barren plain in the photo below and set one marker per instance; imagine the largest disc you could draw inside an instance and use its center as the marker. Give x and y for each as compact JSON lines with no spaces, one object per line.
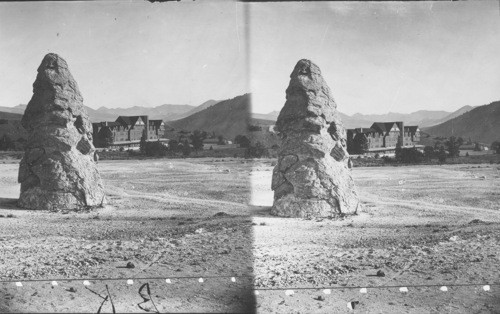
{"x":420,"y":227}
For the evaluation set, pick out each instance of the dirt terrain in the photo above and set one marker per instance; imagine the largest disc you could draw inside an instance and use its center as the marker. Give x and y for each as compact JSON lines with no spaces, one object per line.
{"x":188,"y":218}
{"x":169,"y":218}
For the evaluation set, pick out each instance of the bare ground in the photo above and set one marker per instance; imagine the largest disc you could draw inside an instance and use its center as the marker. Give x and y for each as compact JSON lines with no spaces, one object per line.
{"x":170,"y":218}
{"x":420,"y":225}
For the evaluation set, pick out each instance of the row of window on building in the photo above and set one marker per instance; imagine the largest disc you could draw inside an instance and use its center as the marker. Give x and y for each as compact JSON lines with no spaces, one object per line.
{"x":128,"y":129}
{"x":382,"y":135}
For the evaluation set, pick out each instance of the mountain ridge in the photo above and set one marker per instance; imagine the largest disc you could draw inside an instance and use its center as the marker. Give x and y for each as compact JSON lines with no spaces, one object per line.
{"x":228,"y":118}
{"x":482,"y":124}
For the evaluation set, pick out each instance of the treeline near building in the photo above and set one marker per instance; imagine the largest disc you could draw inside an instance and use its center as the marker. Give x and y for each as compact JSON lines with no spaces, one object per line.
{"x":440,"y":151}
{"x":194,"y":144}
{"x":447,"y":150}
{"x":187,"y":144}
{"x":184,"y":145}
{"x":495,"y":146}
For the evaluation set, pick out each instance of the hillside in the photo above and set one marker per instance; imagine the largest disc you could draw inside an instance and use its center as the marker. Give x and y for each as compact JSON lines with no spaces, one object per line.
{"x":10,"y":116}
{"x":17,"y":109}
{"x":452,"y":115}
{"x":228,"y":118}
{"x":205,"y":105}
{"x":481,"y":124}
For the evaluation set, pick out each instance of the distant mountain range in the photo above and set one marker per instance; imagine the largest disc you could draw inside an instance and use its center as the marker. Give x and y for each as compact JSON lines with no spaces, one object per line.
{"x":169,"y":112}
{"x":349,"y":122}
{"x":481,"y":124}
{"x":94,"y":115}
{"x":231,"y":117}
{"x":422,"y":118}
{"x":165,"y":112}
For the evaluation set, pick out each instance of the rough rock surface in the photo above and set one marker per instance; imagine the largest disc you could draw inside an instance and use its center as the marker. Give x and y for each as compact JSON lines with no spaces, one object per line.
{"x":58,"y":171}
{"x":312,"y":177}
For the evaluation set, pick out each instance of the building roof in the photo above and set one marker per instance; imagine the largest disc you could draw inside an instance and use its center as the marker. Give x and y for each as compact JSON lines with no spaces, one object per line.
{"x":156,"y":123}
{"x":411,"y":128}
{"x":385,"y":127}
{"x":130,"y":121}
{"x":105,"y":123}
{"x":364,"y":130}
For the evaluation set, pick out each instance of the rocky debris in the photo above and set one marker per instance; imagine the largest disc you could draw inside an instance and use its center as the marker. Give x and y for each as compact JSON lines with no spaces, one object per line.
{"x":320,"y":298}
{"x":352,"y":305}
{"x":221,"y":214}
{"x":312,"y":177}
{"x":58,"y":171}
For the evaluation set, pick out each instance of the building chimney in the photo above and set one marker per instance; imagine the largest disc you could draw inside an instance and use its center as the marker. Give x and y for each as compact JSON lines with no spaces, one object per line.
{"x":401,"y":133}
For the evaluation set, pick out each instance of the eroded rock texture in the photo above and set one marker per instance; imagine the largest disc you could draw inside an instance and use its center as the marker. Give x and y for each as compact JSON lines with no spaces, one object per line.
{"x":312,"y":177}
{"x":58,"y":170}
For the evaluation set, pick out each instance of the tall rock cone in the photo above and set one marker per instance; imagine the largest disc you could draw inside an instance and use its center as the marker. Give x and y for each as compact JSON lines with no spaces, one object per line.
{"x":58,"y":171}
{"x":313,"y":175}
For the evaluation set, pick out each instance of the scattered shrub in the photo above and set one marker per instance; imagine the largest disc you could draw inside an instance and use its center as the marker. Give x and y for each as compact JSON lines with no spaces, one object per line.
{"x":6,"y":143}
{"x":429,"y":152}
{"x":186,"y":149}
{"x":254,"y":128}
{"x":152,"y":149}
{"x":453,"y":144}
{"x":242,"y":140}
{"x":441,"y":154}
{"x":495,"y":146}
{"x":257,"y":151}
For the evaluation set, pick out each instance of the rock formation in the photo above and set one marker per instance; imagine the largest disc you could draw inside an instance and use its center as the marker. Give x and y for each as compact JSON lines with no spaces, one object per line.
{"x":58,"y":170}
{"x":313,"y":176}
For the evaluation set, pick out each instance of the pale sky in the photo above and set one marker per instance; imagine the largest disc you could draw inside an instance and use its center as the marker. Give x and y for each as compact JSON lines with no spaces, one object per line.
{"x":127,"y":53}
{"x":382,"y":56}
{"x":376,"y":57}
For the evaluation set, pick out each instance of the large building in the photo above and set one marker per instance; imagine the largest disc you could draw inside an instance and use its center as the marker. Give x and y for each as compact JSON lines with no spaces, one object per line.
{"x":127,"y":131}
{"x":382,"y":137}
